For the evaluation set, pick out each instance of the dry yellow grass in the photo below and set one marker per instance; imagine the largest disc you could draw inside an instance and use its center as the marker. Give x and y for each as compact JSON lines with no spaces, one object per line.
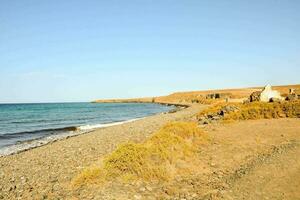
{"x":91,"y":174}
{"x":256,"y":110}
{"x":154,"y":159}
{"x":214,"y":108}
{"x":259,"y":110}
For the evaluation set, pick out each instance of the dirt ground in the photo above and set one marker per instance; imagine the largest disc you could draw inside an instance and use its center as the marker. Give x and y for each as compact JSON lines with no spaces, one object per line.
{"x":244,"y":160}
{"x":256,"y":160}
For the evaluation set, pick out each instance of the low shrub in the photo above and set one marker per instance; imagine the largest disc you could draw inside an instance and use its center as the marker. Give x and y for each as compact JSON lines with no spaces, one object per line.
{"x":88,"y":175}
{"x":154,"y":159}
{"x":213,"y":109}
{"x":259,"y":110}
{"x":255,"y":110}
{"x":132,"y":160}
{"x":202,"y":100}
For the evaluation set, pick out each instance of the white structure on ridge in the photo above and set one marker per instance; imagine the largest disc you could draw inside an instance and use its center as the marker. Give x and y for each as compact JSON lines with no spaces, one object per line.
{"x":267,"y":94}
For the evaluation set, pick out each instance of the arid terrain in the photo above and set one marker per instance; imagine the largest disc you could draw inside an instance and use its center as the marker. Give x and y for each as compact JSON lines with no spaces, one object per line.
{"x":150,"y":100}
{"x":243,"y":159}
{"x":187,"y":97}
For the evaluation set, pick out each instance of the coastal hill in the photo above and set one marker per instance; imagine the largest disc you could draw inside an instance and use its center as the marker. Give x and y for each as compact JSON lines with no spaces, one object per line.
{"x":190,"y":96}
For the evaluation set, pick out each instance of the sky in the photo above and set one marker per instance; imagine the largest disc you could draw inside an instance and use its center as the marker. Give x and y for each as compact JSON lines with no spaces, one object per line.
{"x":61,"y":51}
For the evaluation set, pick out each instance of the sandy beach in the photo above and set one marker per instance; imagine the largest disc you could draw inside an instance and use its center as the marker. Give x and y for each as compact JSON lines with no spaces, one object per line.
{"x":149,"y":100}
{"x":244,"y":159}
{"x":46,"y":172}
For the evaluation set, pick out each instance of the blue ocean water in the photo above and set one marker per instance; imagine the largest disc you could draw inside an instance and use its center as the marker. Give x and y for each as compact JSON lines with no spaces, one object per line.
{"x":23,"y":122}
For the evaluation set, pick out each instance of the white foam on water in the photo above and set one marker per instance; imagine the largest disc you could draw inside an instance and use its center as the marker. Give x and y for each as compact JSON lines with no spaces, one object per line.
{"x":95,"y":126}
{"x":26,"y":145}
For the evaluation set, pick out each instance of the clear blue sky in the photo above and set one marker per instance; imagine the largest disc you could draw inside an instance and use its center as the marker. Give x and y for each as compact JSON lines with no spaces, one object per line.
{"x":83,"y":50}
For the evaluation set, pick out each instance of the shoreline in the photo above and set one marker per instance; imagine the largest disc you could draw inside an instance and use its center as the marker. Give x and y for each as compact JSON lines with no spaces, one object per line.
{"x":185,"y":105}
{"x":80,"y":130}
{"x":48,"y":169}
{"x":35,"y":143}
{"x":47,"y":172}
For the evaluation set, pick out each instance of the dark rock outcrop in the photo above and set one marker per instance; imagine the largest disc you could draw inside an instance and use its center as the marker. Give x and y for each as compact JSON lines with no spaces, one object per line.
{"x":219,"y":115}
{"x":255,"y":96}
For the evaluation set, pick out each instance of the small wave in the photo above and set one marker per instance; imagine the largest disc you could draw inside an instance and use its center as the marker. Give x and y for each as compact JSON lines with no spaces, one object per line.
{"x":30,"y":144}
{"x":49,"y":120}
{"x":95,"y":126}
{"x":44,"y":131}
{"x":67,"y":132}
{"x":28,"y":121}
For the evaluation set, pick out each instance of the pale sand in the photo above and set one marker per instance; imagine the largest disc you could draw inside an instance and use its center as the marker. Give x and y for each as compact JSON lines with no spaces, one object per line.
{"x":45,"y":170}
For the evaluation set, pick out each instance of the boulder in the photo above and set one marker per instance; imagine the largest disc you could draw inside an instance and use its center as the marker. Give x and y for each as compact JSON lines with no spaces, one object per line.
{"x":267,"y":94}
{"x":291,"y":91}
{"x":228,"y":109}
{"x":255,"y":96}
{"x":218,"y":96}
{"x":291,"y":97}
{"x":213,"y":117}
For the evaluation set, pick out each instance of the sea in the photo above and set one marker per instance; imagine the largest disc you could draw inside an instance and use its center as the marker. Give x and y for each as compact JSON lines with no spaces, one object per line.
{"x":25,"y":126}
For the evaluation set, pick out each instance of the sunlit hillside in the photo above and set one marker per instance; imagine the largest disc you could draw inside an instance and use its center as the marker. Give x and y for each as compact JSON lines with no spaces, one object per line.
{"x":201,"y":96}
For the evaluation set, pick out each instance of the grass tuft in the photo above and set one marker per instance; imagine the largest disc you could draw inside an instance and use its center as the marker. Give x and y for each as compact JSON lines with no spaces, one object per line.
{"x":88,"y":175}
{"x":154,"y":159}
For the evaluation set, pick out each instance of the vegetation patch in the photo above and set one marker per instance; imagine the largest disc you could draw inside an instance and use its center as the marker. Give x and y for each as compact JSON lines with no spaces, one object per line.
{"x":255,"y":110}
{"x":88,"y":175}
{"x":156,"y":158}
